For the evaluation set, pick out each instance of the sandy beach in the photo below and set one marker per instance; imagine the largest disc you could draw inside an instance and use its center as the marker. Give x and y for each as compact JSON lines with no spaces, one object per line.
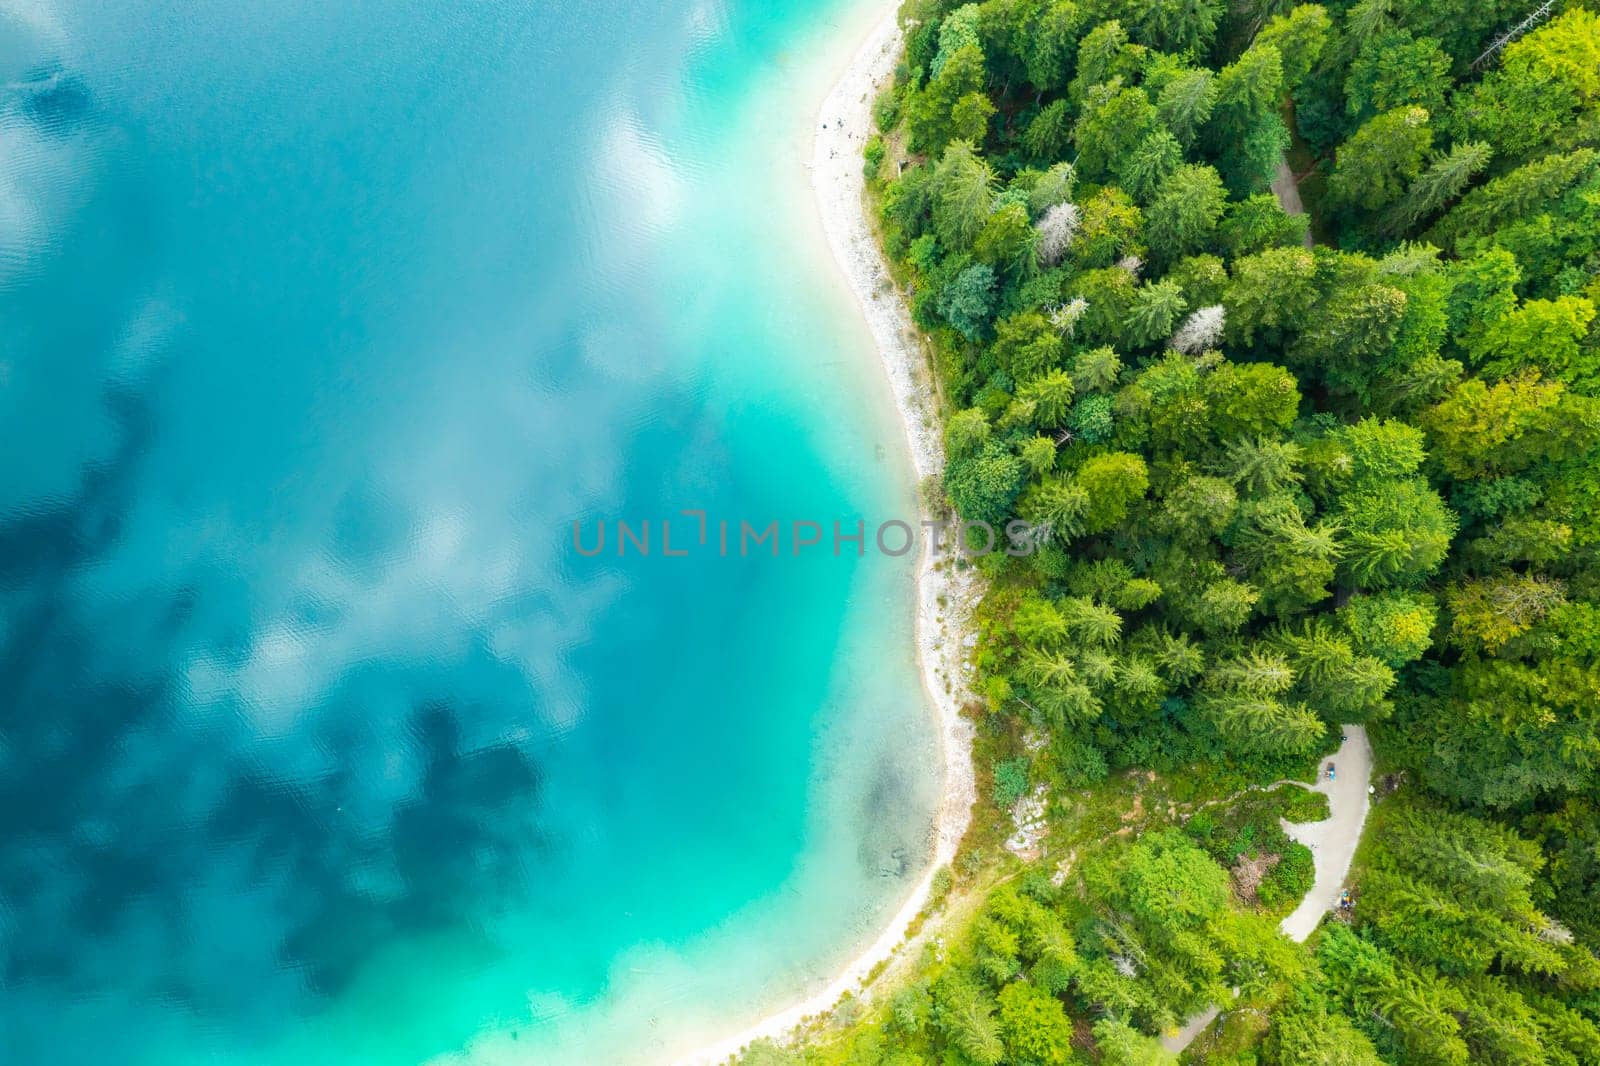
{"x":944,"y":596}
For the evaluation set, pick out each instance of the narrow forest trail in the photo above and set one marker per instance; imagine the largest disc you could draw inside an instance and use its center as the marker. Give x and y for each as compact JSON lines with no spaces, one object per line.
{"x":1287,"y":190}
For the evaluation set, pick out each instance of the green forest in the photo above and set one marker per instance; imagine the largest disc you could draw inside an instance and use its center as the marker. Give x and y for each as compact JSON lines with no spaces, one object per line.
{"x":1298,"y":471}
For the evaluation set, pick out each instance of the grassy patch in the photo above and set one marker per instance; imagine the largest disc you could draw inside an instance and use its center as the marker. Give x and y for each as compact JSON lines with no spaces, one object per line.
{"x":1246,"y":836}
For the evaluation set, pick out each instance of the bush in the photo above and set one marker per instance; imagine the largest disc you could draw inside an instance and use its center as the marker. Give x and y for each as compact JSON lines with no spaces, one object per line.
{"x":1299,"y":804}
{"x":1290,"y":879}
{"x":873,"y":152}
{"x":1010,"y":782}
{"x":886,"y":110}
{"x":1078,"y":764}
{"x":1091,"y":419}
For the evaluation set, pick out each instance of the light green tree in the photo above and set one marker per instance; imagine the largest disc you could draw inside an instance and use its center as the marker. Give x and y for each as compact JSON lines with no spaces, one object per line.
{"x":1034,"y":1025}
{"x":1027,"y":346}
{"x":1184,"y":214}
{"x":966,"y":432}
{"x":1378,"y":164}
{"x":1300,"y":35}
{"x":1113,"y":483}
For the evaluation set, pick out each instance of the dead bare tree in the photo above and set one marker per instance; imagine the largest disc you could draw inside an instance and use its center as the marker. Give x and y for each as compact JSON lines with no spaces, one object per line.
{"x":1538,"y":15}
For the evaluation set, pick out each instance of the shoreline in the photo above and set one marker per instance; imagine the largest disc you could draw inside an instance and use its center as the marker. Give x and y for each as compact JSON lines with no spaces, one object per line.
{"x":944,"y":597}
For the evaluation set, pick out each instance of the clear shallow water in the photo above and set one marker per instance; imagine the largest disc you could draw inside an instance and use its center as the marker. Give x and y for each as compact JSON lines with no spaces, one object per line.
{"x":317,"y":741}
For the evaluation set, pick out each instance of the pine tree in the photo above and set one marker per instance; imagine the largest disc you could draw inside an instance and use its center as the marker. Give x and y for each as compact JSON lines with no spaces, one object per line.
{"x":1096,"y":369}
{"x":1300,"y":35}
{"x":1051,"y":43}
{"x":1271,"y":290}
{"x":1154,"y":310}
{"x":1051,"y":394}
{"x":1091,"y":623}
{"x":1040,"y":669}
{"x":966,"y":1015}
{"x":1263,"y":466}
{"x":1366,"y":21}
{"x":1185,"y":212}
{"x":1059,"y":504}
{"x":964,"y":195}
{"x":929,"y":113}
{"x":1185,"y":103}
{"x":1512,"y":196}
{"x":1259,"y":674}
{"x":1147,"y":168}
{"x":1247,"y":89}
{"x":1261,"y":724}
{"x":1442,"y":182}
{"x":1122,"y":1045}
{"x":1050,"y":133}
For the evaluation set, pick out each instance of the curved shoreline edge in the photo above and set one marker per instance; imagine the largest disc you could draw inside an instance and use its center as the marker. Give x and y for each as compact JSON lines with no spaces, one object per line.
{"x":945,"y":596}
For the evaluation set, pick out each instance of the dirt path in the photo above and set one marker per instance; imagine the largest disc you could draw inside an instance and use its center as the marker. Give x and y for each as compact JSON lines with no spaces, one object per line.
{"x":1287,"y":191}
{"x":1182,"y":1038}
{"x":1333,"y":841}
{"x":1333,"y":845}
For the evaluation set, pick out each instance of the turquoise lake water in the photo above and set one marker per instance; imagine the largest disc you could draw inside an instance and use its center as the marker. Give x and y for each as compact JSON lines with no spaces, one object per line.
{"x":320,"y":323}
